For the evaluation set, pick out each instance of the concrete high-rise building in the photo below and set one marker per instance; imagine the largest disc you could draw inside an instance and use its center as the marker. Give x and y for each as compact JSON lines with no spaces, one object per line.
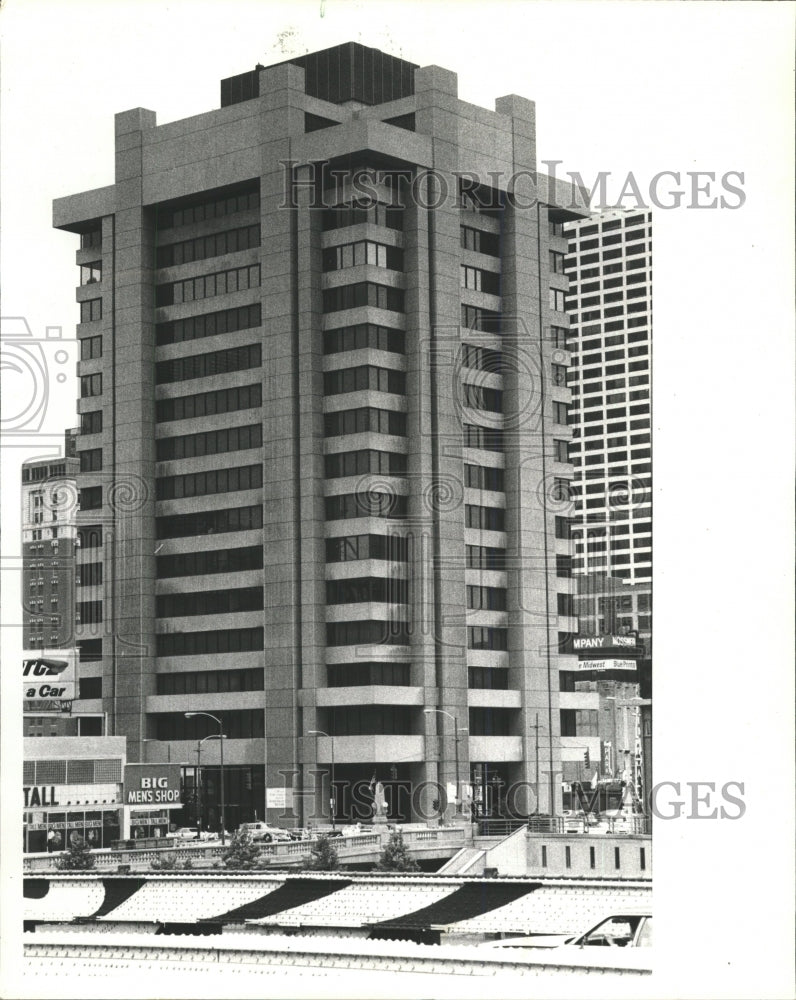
{"x":609,"y":263}
{"x":320,"y":411}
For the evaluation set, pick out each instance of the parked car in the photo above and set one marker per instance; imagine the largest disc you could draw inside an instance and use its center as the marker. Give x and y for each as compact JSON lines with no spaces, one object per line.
{"x":186,"y":833}
{"x":263,"y":833}
{"x":623,"y":930}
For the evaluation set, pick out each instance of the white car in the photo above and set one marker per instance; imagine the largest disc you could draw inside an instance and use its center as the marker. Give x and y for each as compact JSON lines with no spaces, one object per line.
{"x":263,"y":833}
{"x":623,"y":930}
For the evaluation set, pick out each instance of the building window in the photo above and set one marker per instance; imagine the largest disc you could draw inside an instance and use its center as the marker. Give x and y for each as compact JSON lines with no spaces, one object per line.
{"x":557,"y":300}
{"x":480,"y":241}
{"x":482,"y":397}
{"x":484,"y":477}
{"x":91,"y":385}
{"x":488,"y":678}
{"x":484,"y":518}
{"x":204,"y":247}
{"x":90,"y":348}
{"x":205,"y":404}
{"x":487,"y":637}
{"x":490,"y":721}
{"x":481,"y":359}
{"x":209,"y":522}
{"x":90,"y":574}
{"x":236,"y":640}
{"x":364,"y":461}
{"x":234,"y":359}
{"x":223,"y":441}
{"x":210,"y":681}
{"x":484,"y":320}
{"x":367,"y":589}
{"x":90,"y":274}
{"x":485,"y":438}
{"x":91,"y":460}
{"x":91,"y":240}
{"x":208,"y":324}
{"x":207,"y":286}
{"x":560,"y":413}
{"x":363,"y":293}
{"x":359,"y":212}
{"x":367,"y":633}
{"x":557,"y":262}
{"x":486,"y":598}
{"x":478,"y":280}
{"x":208,"y":562}
{"x":364,"y":336}
{"x":371,"y":503}
{"x":363,"y":252}
{"x":365,"y":674}
{"x":90,"y":687}
{"x":90,"y":498}
{"x":89,"y":612}
{"x":209,"y":602}
{"x":91,"y":423}
{"x":366,"y":419}
{"x":204,"y":208}
{"x":353,"y":547}
{"x":561,"y":450}
{"x":90,"y":310}
{"x":364,"y":377}
{"x":229,"y":480}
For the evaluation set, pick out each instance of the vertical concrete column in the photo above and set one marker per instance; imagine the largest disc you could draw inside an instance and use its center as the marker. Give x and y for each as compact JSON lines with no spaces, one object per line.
{"x":287,"y":313}
{"x":437,"y":115}
{"x":130,"y":492}
{"x":530,"y":525}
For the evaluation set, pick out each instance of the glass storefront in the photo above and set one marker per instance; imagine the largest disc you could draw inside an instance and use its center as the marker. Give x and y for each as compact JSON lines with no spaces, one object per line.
{"x":48,"y":831}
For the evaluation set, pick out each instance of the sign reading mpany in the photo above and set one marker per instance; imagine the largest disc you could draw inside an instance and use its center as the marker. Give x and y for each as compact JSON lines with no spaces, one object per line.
{"x":152,"y":785}
{"x":51,"y":675}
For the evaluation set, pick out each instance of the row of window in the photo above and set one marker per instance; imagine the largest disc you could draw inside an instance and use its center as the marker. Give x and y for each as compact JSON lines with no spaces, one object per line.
{"x":487,"y":637}
{"x":197,"y":484}
{"x":208,"y":324}
{"x":485,"y":438}
{"x":359,"y":212}
{"x":363,"y":674}
{"x":203,"y":247}
{"x":88,"y":612}
{"x":485,"y":557}
{"x":478,"y":280}
{"x":90,"y":498}
{"x":233,"y":359}
{"x":207,"y":404}
{"x":364,"y":461}
{"x":476,"y":318}
{"x":367,"y":589}
{"x":89,"y":574}
{"x":482,"y":397}
{"x":209,"y":522}
{"x":210,"y":681}
{"x":372,"y":503}
{"x":212,"y":561}
{"x":169,"y":217}
{"x":364,"y":377}
{"x":481,"y":358}
{"x":363,"y":420}
{"x":480,"y":241}
{"x":484,"y":518}
{"x":486,"y":598}
{"x":362,"y":252}
{"x":367,"y":720}
{"x":72,"y":772}
{"x":238,"y":725}
{"x":209,"y":602}
{"x":484,"y":477}
{"x":488,"y":678}
{"x":363,"y":336}
{"x":352,"y":547}
{"x":229,"y":640}
{"x":223,"y":441}
{"x":237,"y":279}
{"x":364,"y":633}
{"x":363,"y":293}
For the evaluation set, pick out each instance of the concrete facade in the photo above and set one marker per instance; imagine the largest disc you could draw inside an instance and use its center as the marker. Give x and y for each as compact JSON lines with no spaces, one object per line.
{"x":279,"y":647}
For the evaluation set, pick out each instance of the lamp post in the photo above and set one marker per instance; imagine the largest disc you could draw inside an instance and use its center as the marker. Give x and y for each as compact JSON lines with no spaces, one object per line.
{"x":221,"y":737}
{"x":441,"y":711}
{"x":332,"y":797}
{"x":213,"y":736}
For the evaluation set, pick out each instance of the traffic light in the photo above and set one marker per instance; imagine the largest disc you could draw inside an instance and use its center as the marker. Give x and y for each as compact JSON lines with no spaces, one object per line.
{"x":586,"y":758}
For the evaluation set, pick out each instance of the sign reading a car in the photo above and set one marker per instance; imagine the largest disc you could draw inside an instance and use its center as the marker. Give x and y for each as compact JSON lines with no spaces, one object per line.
{"x":49,"y":676}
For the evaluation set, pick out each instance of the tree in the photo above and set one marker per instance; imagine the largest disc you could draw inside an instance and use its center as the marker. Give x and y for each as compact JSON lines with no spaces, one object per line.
{"x":395,"y":857}
{"x":77,"y":857}
{"x":243,"y":854}
{"x":323,"y":857}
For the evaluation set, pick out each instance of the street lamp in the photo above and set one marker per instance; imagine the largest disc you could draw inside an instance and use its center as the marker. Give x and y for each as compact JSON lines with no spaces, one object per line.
{"x":332,"y":797}
{"x":441,"y":711}
{"x":221,"y":737}
{"x":213,"y":736}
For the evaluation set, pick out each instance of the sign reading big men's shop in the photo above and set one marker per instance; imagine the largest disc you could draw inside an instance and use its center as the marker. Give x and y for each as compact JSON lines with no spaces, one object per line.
{"x":151,"y":785}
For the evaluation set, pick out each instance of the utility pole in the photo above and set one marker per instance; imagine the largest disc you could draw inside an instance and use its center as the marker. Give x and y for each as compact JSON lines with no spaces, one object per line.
{"x":536,"y":727}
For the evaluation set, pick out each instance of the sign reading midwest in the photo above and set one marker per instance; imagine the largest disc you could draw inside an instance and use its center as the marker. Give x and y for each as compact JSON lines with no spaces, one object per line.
{"x":152,"y":785}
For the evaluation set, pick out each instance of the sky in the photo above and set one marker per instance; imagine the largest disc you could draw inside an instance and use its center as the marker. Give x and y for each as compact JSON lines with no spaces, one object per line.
{"x":621,"y":88}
